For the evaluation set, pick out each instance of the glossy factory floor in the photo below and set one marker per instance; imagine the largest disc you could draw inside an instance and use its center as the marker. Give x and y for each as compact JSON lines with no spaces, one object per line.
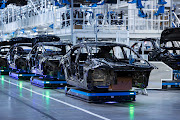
{"x":19,"y":100}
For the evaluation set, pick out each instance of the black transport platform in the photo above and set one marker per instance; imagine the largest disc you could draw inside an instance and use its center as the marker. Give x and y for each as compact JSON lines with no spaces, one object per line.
{"x":175,"y":84}
{"x":17,"y":75}
{"x":100,"y":97}
{"x":48,"y":83}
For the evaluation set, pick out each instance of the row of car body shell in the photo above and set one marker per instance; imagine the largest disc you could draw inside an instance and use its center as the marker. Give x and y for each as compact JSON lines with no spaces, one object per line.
{"x":91,"y":66}
{"x":19,"y":53}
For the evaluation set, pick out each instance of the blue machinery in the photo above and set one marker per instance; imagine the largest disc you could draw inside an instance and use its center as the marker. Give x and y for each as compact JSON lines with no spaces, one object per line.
{"x":141,"y":13}
{"x":175,"y":84}
{"x":100,"y":96}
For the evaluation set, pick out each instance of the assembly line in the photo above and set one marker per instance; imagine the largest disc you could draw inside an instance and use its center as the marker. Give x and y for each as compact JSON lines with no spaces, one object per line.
{"x":48,"y":63}
{"x":89,"y":59}
{"x":88,"y":67}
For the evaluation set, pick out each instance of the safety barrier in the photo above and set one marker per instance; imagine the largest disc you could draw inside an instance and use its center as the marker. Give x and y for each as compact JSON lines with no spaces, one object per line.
{"x":86,"y":18}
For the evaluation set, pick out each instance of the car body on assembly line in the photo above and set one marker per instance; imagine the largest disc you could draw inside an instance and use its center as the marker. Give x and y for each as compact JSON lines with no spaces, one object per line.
{"x":168,"y":51}
{"x":44,"y":59}
{"x":21,"y":46}
{"x":105,"y":66}
{"x":16,"y":56}
{"x":3,"y":61}
{"x":170,"y":42}
{"x":5,"y":47}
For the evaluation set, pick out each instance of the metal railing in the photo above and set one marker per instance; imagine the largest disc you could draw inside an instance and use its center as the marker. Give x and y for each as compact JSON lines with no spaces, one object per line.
{"x":176,"y":20}
{"x":86,"y":18}
{"x":104,"y":21}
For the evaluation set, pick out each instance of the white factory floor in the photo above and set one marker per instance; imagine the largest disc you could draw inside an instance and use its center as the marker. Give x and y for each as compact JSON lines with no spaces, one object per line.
{"x":19,"y":100}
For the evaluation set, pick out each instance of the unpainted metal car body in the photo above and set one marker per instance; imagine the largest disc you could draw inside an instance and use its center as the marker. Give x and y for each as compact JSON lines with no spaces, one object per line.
{"x":151,"y":48}
{"x":168,"y":51}
{"x":16,"y":56}
{"x":4,"y":49}
{"x":170,"y":42}
{"x":99,"y":66}
{"x":44,"y":59}
{"x":21,"y":46}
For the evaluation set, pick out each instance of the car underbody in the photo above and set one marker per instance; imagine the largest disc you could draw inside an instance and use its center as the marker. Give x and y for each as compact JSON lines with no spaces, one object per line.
{"x":3,"y":51}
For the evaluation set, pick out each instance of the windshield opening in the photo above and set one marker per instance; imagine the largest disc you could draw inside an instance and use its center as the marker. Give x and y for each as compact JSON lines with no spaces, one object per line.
{"x":55,"y":50}
{"x":113,"y":53}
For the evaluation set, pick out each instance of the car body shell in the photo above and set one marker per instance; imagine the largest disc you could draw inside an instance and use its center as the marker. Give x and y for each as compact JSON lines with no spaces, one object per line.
{"x":16,"y":56}
{"x":44,"y":61}
{"x":168,"y":51}
{"x":3,"y":61}
{"x":95,"y":72}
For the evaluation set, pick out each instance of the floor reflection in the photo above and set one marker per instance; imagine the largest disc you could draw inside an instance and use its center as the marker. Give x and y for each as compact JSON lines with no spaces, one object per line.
{"x":131,"y":112}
